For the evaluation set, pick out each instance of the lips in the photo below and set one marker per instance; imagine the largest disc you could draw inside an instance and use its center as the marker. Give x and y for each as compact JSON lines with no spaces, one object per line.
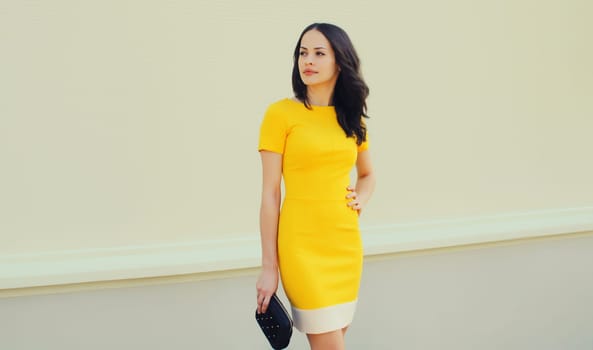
{"x":309,"y":72}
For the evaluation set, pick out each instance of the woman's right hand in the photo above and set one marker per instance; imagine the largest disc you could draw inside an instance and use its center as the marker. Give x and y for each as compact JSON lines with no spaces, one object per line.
{"x":266,"y":286}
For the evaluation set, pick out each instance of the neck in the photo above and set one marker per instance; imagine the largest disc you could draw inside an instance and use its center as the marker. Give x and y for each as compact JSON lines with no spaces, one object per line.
{"x":320,"y":95}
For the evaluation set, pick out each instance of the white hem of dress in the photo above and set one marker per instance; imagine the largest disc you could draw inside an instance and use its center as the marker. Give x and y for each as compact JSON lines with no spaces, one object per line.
{"x":324,"y":319}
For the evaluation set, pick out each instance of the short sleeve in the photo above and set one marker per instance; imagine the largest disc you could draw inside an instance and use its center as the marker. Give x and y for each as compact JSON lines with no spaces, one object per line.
{"x":364,"y":145}
{"x":273,"y":131}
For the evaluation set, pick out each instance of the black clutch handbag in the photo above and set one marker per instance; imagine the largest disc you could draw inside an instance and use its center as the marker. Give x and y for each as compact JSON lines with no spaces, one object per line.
{"x":275,"y":323}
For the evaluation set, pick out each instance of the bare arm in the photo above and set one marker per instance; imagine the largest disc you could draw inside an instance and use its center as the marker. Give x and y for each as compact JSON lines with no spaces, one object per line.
{"x":269,"y":213}
{"x":365,"y":183}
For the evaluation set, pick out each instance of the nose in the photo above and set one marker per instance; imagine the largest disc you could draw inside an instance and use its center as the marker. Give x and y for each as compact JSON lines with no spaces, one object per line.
{"x":308,"y":60}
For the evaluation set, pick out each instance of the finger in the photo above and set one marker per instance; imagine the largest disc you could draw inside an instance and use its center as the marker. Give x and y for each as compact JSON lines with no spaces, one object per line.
{"x":355,"y":205}
{"x":260,"y":300}
{"x":265,"y":304}
{"x":350,"y":188}
{"x":352,"y":195}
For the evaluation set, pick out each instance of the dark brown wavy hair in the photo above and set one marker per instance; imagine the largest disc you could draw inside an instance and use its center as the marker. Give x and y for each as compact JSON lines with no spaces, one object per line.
{"x":350,"y":92}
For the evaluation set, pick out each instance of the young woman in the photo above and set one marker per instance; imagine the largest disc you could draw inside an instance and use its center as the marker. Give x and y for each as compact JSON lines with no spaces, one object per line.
{"x":313,"y":140}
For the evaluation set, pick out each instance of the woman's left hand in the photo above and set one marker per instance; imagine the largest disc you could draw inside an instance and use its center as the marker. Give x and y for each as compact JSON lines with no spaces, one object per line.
{"x":354,"y":203}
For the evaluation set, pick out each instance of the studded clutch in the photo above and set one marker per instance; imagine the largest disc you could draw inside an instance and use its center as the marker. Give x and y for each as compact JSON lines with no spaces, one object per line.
{"x":275,"y":323}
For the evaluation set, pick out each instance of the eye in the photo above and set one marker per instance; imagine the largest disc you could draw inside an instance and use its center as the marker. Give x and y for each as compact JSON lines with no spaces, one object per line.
{"x":302,"y":53}
{"x":319,"y":53}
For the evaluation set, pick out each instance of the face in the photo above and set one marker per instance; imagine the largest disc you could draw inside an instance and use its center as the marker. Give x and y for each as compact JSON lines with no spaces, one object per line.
{"x":317,"y":62}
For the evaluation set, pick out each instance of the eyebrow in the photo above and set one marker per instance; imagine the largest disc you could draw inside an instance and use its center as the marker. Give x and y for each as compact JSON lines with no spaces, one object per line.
{"x":315,"y":48}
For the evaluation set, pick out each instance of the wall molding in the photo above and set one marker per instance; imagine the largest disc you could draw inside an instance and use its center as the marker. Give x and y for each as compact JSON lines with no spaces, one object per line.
{"x":243,"y":252}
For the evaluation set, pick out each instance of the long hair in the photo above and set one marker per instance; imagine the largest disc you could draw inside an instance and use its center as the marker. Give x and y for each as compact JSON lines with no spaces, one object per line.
{"x":350,"y":92}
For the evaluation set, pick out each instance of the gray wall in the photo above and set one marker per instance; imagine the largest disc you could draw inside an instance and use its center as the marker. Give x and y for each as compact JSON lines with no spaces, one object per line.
{"x":520,"y":295}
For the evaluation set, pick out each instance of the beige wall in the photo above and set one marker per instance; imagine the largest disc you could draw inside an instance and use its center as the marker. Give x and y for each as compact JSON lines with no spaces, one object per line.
{"x":127,"y":122}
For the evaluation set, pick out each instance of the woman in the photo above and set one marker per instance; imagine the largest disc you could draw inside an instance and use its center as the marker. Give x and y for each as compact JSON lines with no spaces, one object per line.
{"x":313,"y":140}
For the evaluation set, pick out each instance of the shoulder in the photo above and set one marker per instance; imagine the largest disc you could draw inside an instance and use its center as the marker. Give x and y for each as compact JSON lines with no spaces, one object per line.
{"x":285,"y":104}
{"x":282,"y":109}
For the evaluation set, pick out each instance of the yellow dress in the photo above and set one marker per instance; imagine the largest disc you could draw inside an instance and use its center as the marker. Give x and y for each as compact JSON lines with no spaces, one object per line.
{"x":319,"y":245}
